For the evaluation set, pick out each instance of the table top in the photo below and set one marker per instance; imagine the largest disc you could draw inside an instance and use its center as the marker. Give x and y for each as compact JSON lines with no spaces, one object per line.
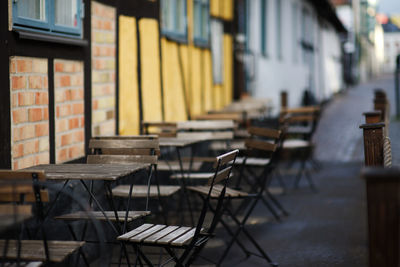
{"x":177,"y":142}
{"x":106,"y":172}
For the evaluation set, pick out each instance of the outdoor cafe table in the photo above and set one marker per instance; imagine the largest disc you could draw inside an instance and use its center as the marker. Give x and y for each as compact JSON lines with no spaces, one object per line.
{"x":107,"y":173}
{"x":178,"y":144}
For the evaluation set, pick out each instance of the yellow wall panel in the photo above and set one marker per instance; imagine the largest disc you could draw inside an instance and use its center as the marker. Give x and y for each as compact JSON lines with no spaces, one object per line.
{"x":150,"y":70}
{"x":197,"y":81}
{"x":189,"y":5}
{"x":218,"y":96}
{"x":184,"y":56}
{"x":215,"y":8}
{"x":129,"y":118}
{"x":228,"y":69}
{"x":227,"y":10}
{"x":208,"y":81}
{"x":174,"y":103}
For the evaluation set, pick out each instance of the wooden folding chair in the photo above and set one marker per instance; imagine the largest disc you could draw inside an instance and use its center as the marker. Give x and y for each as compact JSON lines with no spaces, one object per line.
{"x":302,"y":123}
{"x":127,"y":150}
{"x":18,"y":189}
{"x":188,"y":240}
{"x":159,"y":128}
{"x":256,"y":146}
{"x":210,"y":131}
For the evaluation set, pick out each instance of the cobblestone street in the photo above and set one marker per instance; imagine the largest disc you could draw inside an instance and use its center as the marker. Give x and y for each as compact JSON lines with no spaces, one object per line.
{"x":338,"y":137}
{"x":328,"y":228}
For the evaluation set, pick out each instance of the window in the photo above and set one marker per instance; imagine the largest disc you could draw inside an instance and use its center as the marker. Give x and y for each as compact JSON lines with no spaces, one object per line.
{"x":201,"y":21}
{"x":263,"y":27}
{"x":295,"y":31}
{"x":279,"y":29}
{"x":62,"y":17}
{"x":173,"y":19}
{"x":307,"y":38}
{"x":217,"y":50}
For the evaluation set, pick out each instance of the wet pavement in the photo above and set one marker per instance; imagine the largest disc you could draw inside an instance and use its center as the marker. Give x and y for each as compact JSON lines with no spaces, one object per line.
{"x":327,"y":228}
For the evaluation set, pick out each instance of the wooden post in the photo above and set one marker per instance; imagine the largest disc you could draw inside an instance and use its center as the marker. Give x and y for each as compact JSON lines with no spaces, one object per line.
{"x":383,"y":202}
{"x":373,"y":116}
{"x":373,"y":143}
{"x":380,"y":102}
{"x":284,"y":100}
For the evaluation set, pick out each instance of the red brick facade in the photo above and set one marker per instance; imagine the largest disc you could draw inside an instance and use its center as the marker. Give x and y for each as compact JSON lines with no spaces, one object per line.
{"x":103,"y":69}
{"x":69,"y":110}
{"x":29,"y":112}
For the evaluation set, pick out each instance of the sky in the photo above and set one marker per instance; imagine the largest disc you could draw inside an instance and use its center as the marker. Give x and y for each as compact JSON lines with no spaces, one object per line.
{"x":390,"y":7}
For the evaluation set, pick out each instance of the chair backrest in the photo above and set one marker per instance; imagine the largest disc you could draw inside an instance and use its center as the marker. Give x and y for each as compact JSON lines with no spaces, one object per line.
{"x":206,"y":129}
{"x":223,"y":168}
{"x":264,"y":141}
{"x":159,"y":128}
{"x":236,"y":117}
{"x":21,"y":186}
{"x":303,"y":116}
{"x":117,"y":150}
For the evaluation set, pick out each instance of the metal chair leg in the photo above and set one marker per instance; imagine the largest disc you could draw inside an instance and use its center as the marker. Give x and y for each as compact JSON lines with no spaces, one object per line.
{"x":277,"y":203}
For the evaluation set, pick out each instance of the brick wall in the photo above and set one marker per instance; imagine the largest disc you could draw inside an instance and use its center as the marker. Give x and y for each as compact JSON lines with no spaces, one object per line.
{"x":103,"y":69}
{"x":69,"y":110}
{"x":29,"y":112}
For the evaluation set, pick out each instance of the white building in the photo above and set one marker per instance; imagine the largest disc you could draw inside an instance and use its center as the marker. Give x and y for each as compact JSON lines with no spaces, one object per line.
{"x":293,"y":45}
{"x":392,"y":49}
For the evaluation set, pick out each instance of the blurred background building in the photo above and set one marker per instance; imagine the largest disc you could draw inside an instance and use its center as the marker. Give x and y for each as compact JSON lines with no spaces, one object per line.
{"x":391,"y":26}
{"x":293,"y":46}
{"x":102,"y":67}
{"x":363,"y":46}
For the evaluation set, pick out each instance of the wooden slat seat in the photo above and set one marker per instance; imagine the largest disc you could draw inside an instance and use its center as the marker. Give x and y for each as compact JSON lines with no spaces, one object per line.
{"x":23,"y":264}
{"x":209,"y":136}
{"x":175,"y":166}
{"x":216,"y":191}
{"x":299,"y":129}
{"x":98,"y":215}
{"x":296,"y":144}
{"x":252,"y":161}
{"x":160,"y":234}
{"x":200,"y":175}
{"x":140,"y":191}
{"x":214,"y":125}
{"x":33,"y":250}
{"x":219,"y":146}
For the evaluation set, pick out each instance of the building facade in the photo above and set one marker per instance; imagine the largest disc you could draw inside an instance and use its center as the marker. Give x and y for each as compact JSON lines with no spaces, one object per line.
{"x":75,"y":69}
{"x":293,"y":45}
{"x":392,"y":46}
{"x":364,"y":51}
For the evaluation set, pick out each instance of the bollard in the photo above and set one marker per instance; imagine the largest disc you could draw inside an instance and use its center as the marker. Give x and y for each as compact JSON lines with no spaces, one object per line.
{"x":284,"y":100}
{"x":397,"y":86}
{"x":380,"y":102}
{"x":383,"y":205}
{"x":373,"y":143}
{"x":373,"y":116}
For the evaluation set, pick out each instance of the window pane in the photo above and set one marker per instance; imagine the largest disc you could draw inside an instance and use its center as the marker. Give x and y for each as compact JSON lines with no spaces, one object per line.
{"x":197,"y":19}
{"x":204,"y":22}
{"x":33,"y":9}
{"x":279,"y":28}
{"x":168,"y":14}
{"x":217,"y":50}
{"x":263,"y":27}
{"x":180,"y":16}
{"x":66,"y":13}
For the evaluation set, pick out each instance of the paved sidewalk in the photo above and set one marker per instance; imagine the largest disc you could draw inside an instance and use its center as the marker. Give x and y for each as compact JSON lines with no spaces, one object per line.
{"x":328,"y":228}
{"x":338,"y":136}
